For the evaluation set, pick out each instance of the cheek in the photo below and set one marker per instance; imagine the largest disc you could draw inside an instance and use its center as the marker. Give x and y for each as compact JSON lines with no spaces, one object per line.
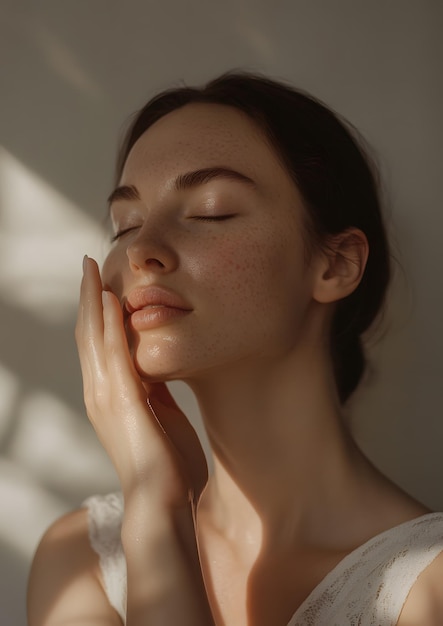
{"x":255,"y":271}
{"x":111,"y":272}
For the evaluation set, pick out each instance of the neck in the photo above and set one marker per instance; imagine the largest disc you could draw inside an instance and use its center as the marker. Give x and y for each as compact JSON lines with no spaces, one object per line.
{"x":276,"y":428}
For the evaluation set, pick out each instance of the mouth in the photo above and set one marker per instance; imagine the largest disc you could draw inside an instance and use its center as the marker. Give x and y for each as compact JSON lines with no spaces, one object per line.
{"x":147,"y":307}
{"x":154,"y":296}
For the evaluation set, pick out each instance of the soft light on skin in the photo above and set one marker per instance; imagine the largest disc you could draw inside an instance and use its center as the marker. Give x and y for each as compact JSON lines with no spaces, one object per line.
{"x":245,"y":277}
{"x":255,"y":346}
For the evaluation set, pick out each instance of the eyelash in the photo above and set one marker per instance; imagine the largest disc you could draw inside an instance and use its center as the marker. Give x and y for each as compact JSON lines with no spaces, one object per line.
{"x":212,"y":218}
{"x":120,"y":233}
{"x":202,"y":218}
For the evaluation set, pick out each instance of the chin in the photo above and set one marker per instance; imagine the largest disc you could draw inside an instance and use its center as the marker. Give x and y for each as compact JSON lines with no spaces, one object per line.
{"x":158,"y":363}
{"x":165,"y":354}
{"x":154,"y":376}
{"x":154,"y":370}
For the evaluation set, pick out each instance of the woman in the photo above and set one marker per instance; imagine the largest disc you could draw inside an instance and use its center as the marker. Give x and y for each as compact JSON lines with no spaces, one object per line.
{"x":249,"y":257}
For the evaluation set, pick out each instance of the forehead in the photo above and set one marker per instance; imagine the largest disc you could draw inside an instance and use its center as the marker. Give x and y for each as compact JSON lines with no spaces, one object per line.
{"x":204,"y":135}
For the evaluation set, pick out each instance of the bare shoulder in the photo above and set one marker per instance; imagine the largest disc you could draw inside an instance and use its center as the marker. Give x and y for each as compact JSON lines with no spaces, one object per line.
{"x":424,"y":604}
{"x":64,"y":582}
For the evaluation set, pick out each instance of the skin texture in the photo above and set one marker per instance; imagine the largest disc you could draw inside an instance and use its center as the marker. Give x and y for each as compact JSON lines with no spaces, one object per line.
{"x":245,"y":546}
{"x":230,"y":272}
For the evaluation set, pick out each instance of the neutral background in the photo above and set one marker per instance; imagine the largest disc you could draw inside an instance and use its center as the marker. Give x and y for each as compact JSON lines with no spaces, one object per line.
{"x":71,"y":73}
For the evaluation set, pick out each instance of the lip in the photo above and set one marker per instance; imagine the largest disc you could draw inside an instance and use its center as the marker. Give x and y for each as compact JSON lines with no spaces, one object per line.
{"x":153,"y":296}
{"x":151,"y":306}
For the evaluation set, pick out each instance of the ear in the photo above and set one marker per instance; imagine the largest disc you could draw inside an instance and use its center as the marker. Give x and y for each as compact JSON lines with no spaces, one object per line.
{"x":341,"y":265}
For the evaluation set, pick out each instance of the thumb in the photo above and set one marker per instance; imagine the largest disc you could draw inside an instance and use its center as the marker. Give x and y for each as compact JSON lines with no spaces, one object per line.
{"x":180,"y":432}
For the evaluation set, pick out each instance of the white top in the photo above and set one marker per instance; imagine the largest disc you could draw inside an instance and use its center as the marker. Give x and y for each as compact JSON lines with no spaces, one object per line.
{"x":367,"y":588}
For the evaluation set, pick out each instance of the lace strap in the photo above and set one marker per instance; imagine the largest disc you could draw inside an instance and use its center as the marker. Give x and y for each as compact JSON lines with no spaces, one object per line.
{"x":415,"y":551}
{"x":369,"y":586}
{"x":105,"y":514}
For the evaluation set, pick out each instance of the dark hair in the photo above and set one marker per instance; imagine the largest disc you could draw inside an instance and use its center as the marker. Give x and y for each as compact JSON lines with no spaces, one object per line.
{"x":324,"y":156}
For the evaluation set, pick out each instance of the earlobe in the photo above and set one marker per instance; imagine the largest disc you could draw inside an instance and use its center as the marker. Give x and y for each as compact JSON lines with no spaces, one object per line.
{"x":341,"y":266}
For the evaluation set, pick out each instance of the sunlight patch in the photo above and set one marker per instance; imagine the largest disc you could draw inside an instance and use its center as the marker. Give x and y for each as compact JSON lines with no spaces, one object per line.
{"x":43,"y":237}
{"x":58,"y":446}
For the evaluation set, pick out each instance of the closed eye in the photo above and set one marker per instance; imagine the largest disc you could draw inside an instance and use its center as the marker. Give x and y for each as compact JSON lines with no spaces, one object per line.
{"x":122,"y":232}
{"x":212,"y":218}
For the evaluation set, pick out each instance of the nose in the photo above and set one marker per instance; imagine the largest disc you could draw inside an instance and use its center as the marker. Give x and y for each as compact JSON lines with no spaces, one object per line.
{"x":149,"y":251}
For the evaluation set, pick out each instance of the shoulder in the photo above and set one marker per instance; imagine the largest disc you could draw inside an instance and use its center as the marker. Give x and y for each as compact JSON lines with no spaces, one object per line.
{"x":64,"y":582}
{"x":424,"y":604}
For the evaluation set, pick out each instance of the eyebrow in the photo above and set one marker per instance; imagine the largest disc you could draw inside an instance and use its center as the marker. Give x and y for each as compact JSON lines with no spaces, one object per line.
{"x":124,"y":192}
{"x":202,"y":176}
{"x":185,"y":181}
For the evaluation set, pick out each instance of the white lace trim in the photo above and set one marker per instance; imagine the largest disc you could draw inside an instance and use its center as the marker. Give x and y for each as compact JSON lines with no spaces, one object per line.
{"x":105,"y":514}
{"x":367,"y":588}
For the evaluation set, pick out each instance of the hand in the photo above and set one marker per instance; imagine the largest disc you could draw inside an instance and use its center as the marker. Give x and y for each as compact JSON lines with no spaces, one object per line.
{"x":149,"y":440}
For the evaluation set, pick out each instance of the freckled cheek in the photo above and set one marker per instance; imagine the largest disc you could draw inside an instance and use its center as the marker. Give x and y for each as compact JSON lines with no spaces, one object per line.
{"x":244,"y":271}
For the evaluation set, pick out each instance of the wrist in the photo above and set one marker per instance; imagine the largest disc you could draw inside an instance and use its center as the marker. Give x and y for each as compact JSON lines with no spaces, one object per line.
{"x":147,"y":521}
{"x":164,"y":574}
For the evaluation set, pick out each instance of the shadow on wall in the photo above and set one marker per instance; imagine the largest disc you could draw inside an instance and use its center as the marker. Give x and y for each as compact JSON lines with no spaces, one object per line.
{"x":13,"y":594}
{"x":49,"y":457}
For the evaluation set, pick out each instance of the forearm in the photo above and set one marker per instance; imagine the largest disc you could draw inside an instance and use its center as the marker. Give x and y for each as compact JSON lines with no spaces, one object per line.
{"x":165,"y":582}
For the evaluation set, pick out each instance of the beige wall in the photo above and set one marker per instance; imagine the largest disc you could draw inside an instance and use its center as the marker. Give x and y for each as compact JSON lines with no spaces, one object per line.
{"x":70,"y":73}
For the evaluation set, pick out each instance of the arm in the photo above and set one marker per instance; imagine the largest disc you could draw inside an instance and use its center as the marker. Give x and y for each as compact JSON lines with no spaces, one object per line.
{"x":165,"y":584}
{"x":159,"y":462}
{"x":64,"y":584}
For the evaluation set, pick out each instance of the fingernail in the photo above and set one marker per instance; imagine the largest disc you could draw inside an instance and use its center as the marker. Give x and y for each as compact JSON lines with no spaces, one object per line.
{"x":85,"y":259}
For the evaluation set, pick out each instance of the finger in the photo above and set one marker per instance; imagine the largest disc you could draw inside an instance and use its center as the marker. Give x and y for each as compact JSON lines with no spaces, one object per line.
{"x":127,"y":389}
{"x":159,"y":392}
{"x":89,"y":333}
{"x":118,"y":359}
{"x":90,"y":296}
{"x":79,"y":334}
{"x":180,"y":432}
{"x":167,"y":411}
{"x":80,"y":312}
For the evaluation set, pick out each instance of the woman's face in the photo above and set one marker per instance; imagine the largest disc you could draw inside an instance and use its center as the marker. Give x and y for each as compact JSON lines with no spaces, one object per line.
{"x":209,"y":255}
